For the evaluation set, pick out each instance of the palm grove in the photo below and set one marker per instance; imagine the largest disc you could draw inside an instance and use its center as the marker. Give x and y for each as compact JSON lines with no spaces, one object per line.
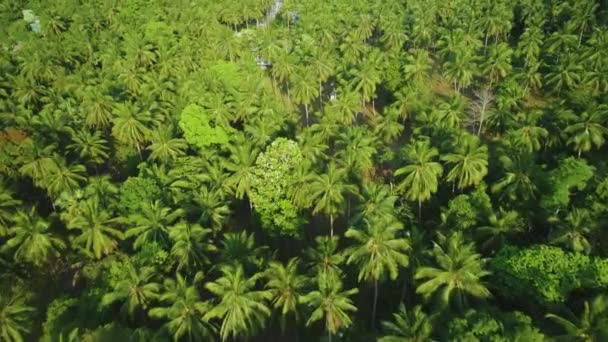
{"x":303,"y":170}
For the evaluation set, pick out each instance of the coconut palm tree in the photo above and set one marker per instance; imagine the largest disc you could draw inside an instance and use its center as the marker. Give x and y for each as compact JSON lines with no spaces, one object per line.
{"x":89,"y":146}
{"x":325,"y":257}
{"x":152,"y":223}
{"x":327,"y":193}
{"x":286,"y":286}
{"x":304,"y":89}
{"x":458,"y":272}
{"x":136,"y":291}
{"x":211,"y":207}
{"x":422,"y":173}
{"x":574,"y":232}
{"x":331,"y":303}
{"x":379,"y":249}
{"x":589,"y":132}
{"x":469,"y":162}
{"x":15,"y":317}
{"x":31,"y":239}
{"x":240,"y":249}
{"x":241,"y":164}
{"x":191,"y":247}
{"x":8,"y":205}
{"x":378,"y":202}
{"x":499,"y":228}
{"x":418,"y":66}
{"x":241,"y":308}
{"x":518,"y":181}
{"x":164,"y":147}
{"x":591,"y":326}
{"x":97,"y":236}
{"x":64,"y":178}
{"x":498,"y":62}
{"x":408,"y":326}
{"x":184,"y":310}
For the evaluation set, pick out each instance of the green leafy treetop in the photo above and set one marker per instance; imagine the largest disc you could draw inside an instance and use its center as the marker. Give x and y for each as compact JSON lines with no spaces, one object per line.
{"x":272,"y":175}
{"x":200,"y":130}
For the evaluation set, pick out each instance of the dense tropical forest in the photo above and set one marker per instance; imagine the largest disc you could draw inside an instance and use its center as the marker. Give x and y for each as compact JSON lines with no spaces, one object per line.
{"x":303,"y":170}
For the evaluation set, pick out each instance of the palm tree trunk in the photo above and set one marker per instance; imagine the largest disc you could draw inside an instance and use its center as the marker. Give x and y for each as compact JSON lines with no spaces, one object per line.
{"x":375,"y":303}
{"x":331,"y":225}
{"x":321,"y":94}
{"x":480,"y":124}
{"x":306,"y":110}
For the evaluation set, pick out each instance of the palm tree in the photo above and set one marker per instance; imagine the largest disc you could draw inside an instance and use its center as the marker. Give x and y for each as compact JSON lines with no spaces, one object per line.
{"x":573,"y":233}
{"x":152,"y":223}
{"x":136,"y":291}
{"x":97,"y":107}
{"x":322,"y":65}
{"x":286,"y":285}
{"x":421,"y":176}
{"x":241,"y":308}
{"x":8,"y":205}
{"x":412,"y":326}
{"x":330,"y":302}
{"x":365,"y":81}
{"x":378,"y":249}
{"x":418,"y":66}
{"x":304,"y":89}
{"x":131,"y":126}
{"x":164,"y":147}
{"x":500,"y":227}
{"x":378,"y":202}
{"x":97,"y":236}
{"x":37,"y":162}
{"x":240,"y":248}
{"x":518,"y":181}
{"x":325,"y":257}
{"x":190,"y":247}
{"x":15,"y":317}
{"x":241,"y":163}
{"x":90,"y":146}
{"x":458,"y":273}
{"x":184,"y":310}
{"x":212,"y":207}
{"x":592,"y":326}
{"x":498,"y":63}
{"x":64,"y":178}
{"x":327,"y":193}
{"x":589,"y":131}
{"x":469,"y":162}
{"x":31,"y":239}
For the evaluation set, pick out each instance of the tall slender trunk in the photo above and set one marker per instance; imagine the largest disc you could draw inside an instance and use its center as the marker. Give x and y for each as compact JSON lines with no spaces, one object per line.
{"x":485,"y":44}
{"x":306,"y":110}
{"x":331,"y":226}
{"x":375,"y":303}
{"x":321,"y":95}
{"x":480,"y":124}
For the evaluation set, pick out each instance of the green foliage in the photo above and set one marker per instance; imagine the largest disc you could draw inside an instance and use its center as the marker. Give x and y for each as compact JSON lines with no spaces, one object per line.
{"x":468,"y":210}
{"x":136,"y":192}
{"x":545,"y":273}
{"x":273,"y":171}
{"x":200,"y":130}
{"x":570,"y":174}
{"x":279,"y":146}
{"x":493,"y":325}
